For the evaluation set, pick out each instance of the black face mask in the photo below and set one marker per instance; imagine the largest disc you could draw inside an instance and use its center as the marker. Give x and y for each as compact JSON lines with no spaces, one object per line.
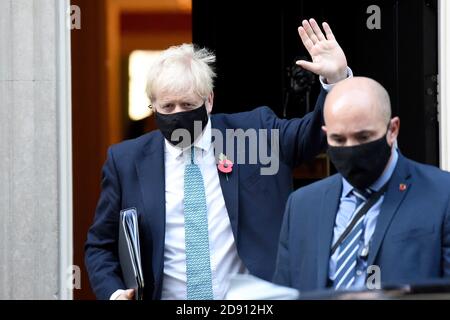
{"x":168,"y":123}
{"x":363,"y":164}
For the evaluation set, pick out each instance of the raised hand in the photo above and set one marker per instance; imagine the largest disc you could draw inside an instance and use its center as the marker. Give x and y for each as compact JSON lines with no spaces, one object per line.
{"x":328,"y":59}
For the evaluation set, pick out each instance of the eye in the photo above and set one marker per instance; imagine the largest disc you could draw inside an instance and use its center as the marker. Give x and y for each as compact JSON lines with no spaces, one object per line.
{"x":339,"y":141}
{"x":364,"y":138}
{"x":187,"y":105}
{"x":168,"y":106}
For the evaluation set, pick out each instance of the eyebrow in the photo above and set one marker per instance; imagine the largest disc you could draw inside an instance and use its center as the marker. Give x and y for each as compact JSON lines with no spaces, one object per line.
{"x":336,"y":135}
{"x":358,"y":133}
{"x":190,"y":101}
{"x":364,"y":132}
{"x":171,"y":103}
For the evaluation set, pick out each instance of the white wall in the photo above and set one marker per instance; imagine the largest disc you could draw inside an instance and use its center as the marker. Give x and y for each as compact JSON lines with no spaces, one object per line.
{"x":34,"y":151}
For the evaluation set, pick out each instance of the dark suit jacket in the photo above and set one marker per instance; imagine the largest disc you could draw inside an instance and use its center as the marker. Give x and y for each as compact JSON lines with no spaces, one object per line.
{"x":133,"y":176}
{"x":411,"y":242}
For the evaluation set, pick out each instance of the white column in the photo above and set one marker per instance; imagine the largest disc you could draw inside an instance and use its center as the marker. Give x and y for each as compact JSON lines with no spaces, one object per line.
{"x":444,"y":83}
{"x":64,"y":111}
{"x":35,"y":172}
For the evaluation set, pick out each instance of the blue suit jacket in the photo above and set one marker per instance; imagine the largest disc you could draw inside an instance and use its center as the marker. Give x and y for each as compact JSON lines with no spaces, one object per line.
{"x":411,"y":242}
{"x":133,"y":176}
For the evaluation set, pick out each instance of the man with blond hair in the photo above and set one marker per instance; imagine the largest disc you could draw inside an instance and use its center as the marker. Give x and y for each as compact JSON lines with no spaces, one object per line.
{"x":201,"y":223}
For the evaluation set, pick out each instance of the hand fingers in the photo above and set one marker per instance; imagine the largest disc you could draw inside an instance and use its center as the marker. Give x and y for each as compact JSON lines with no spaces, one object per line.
{"x":308,"y":66}
{"x":305,"y":39}
{"x":317,"y":31}
{"x":328,"y":32}
{"x":123,"y":296}
{"x":129,"y":293}
{"x":126,"y":295}
{"x":310,"y":31}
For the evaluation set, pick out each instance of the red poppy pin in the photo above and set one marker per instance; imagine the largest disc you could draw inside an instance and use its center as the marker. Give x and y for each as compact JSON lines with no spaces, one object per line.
{"x":225,"y":165}
{"x":402,"y":187}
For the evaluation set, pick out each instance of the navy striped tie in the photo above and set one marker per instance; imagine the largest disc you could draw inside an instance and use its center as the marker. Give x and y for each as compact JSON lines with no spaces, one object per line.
{"x":347,"y":259}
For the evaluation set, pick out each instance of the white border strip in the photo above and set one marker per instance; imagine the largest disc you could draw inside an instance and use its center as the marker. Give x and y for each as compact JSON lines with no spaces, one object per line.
{"x":64,"y":112}
{"x":444,"y":83}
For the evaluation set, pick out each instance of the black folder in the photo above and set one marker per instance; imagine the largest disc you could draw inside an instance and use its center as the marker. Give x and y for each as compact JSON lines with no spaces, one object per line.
{"x":130,"y":252}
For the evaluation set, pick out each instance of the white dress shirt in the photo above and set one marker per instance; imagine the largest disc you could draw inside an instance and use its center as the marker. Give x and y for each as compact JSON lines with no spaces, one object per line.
{"x":225,"y":261}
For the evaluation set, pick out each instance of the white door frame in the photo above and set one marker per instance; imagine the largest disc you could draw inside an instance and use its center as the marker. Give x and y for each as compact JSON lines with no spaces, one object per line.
{"x":444,"y":83}
{"x":64,"y":118}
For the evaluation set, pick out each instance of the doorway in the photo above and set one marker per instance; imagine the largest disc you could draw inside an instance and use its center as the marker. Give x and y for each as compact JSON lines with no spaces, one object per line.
{"x":111,"y":31}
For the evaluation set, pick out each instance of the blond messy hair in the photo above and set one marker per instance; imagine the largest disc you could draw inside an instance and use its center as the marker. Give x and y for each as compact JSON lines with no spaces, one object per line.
{"x":182,"y":69}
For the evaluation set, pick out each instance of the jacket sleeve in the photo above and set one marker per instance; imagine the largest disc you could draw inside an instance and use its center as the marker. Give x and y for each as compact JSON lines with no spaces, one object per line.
{"x":282,"y":275}
{"x":101,"y":250}
{"x":446,"y":243}
{"x":301,"y":139}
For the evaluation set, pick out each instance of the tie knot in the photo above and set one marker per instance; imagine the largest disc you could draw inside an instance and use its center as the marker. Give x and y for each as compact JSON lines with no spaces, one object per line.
{"x":362,"y":194}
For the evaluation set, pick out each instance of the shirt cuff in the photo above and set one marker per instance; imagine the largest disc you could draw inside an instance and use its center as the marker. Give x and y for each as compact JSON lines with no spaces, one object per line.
{"x":328,"y":86}
{"x":116,"y":294}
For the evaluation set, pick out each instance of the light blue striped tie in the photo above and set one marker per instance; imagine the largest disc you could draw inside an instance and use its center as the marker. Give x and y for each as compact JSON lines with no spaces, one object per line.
{"x":349,"y":248}
{"x":198,"y":266}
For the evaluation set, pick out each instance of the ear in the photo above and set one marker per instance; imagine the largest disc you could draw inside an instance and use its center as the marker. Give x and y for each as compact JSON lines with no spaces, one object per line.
{"x":324,"y":129}
{"x":210,"y":102}
{"x":394,"y":130}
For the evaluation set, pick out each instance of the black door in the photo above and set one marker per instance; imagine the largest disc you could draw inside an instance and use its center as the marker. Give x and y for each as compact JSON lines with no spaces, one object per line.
{"x":256,"y":43}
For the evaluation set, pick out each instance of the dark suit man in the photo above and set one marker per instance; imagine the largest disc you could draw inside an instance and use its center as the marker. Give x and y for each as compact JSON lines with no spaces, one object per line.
{"x":201,"y":223}
{"x":405,"y":235}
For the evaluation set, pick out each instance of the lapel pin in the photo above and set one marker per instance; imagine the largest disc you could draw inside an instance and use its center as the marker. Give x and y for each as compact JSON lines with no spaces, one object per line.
{"x":225,"y":165}
{"x":402,"y":187}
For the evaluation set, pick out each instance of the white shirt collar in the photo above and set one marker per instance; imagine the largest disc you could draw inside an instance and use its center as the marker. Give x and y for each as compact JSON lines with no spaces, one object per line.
{"x":203,"y":142}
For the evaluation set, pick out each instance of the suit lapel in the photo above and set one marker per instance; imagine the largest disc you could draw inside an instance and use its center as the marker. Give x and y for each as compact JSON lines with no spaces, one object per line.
{"x":150,"y":169}
{"x":327,"y":217}
{"x":398,"y":187}
{"x":228,"y":182}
